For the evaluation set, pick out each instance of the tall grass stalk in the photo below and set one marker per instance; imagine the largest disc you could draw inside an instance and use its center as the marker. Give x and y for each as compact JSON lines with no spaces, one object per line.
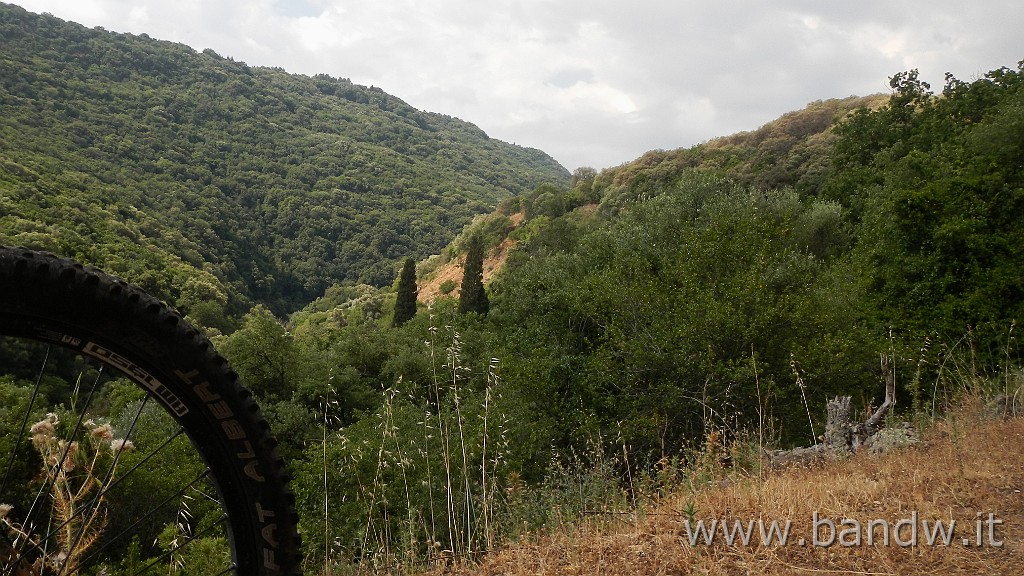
{"x":454,"y":364}
{"x":795,"y":366}
{"x":327,"y":405}
{"x":425,"y":473}
{"x":445,"y":438}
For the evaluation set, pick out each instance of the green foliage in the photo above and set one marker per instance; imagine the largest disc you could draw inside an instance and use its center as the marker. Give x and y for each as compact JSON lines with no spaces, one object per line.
{"x":202,"y":557}
{"x":405,"y":303}
{"x":422,"y":475}
{"x":472,"y":296}
{"x":134,"y":500}
{"x":937,"y":185}
{"x":651,"y":319}
{"x":145,"y":489}
{"x":545,"y":201}
{"x":792,"y":151}
{"x":214,"y":184}
{"x":712,"y":288}
{"x":264,"y":354}
{"x":14,"y":401}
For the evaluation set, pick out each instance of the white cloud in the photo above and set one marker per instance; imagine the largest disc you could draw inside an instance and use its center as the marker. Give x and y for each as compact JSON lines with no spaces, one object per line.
{"x":594,"y":82}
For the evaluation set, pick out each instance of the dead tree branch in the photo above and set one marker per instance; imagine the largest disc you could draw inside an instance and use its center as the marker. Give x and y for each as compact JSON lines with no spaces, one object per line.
{"x":842,"y":434}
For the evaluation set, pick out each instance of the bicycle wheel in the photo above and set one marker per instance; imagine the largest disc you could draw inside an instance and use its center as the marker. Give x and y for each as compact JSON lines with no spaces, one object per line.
{"x":204,"y":481}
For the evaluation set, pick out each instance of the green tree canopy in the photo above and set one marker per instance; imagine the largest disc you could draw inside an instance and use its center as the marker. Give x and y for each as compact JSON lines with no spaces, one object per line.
{"x":163,"y":165}
{"x":264,"y":354}
{"x":938,"y":184}
{"x":472,"y":296}
{"x":405,"y":303}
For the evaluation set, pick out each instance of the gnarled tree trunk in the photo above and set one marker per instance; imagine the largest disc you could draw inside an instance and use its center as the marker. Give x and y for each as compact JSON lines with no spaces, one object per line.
{"x":842,"y":434}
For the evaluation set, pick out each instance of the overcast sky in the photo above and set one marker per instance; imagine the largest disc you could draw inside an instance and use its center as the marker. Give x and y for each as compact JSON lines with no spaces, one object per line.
{"x":591,"y":82}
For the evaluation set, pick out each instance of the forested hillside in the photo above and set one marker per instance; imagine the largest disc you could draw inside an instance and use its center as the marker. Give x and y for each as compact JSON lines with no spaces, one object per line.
{"x":691,"y":298}
{"x":793,"y":150}
{"x":214,"y":183}
{"x":651,"y":323}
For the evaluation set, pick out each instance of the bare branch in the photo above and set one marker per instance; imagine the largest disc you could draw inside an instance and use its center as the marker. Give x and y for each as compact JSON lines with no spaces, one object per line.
{"x":875,"y":421}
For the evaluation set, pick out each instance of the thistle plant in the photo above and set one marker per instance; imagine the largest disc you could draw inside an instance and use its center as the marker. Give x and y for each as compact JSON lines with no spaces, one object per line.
{"x":76,"y":473}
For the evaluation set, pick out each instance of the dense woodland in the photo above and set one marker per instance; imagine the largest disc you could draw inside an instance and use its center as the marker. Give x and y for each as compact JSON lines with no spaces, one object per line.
{"x":709,"y":291}
{"x":689,"y":294}
{"x":209,"y":181}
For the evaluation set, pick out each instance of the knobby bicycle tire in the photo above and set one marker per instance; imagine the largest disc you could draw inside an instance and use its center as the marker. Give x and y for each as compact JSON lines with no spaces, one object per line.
{"x":58,"y":301}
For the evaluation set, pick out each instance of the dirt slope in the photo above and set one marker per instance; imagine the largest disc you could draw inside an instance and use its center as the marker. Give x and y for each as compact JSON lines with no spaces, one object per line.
{"x":430,"y":287}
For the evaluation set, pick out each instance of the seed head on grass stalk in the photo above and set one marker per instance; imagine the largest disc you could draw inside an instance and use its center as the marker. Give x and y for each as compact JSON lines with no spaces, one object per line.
{"x":795,"y":366}
{"x":328,"y":405}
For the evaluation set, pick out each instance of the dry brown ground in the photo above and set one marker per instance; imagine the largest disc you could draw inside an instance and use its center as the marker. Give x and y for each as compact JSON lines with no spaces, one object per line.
{"x":430,"y":287}
{"x":961,"y":469}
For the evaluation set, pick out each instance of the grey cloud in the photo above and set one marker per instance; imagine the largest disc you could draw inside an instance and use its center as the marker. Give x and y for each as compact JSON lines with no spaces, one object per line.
{"x":595,"y":82}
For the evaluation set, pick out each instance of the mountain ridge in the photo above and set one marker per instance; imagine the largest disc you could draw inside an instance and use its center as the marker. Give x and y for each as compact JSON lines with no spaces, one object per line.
{"x":163,"y":164}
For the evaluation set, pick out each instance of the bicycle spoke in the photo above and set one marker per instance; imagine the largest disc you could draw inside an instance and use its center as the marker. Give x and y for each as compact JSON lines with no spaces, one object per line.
{"x":170,"y":499}
{"x":24,"y":423}
{"x":69,"y":442}
{"x":110,"y":483}
{"x":188,"y":541}
{"x":82,"y":354}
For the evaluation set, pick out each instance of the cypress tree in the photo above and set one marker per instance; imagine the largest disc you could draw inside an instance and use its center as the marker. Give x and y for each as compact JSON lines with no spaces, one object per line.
{"x":405,"y":304}
{"x":472,"y":297}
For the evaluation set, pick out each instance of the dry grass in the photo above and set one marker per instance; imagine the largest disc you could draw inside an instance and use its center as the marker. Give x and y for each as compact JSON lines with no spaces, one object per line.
{"x":965,"y":465}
